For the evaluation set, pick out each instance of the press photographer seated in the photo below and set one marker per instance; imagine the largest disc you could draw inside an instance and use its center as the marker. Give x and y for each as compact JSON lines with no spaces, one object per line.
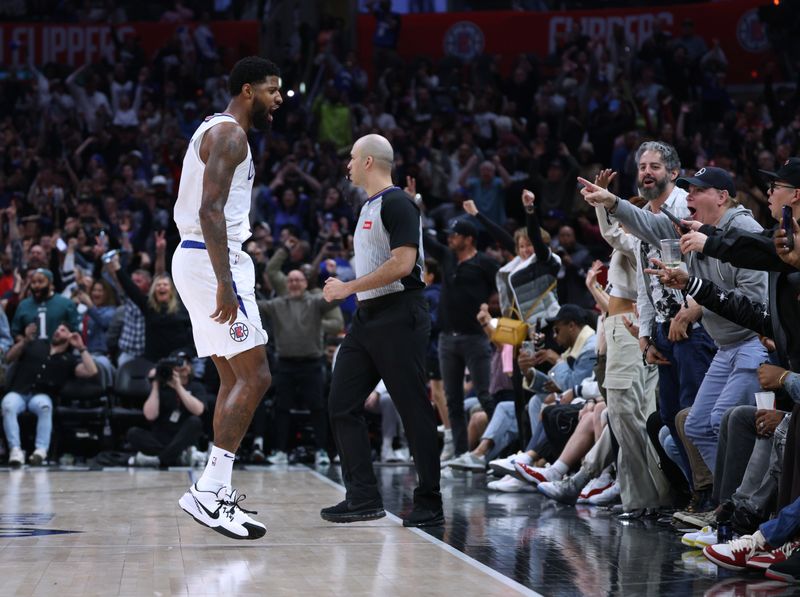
{"x":173,"y":409}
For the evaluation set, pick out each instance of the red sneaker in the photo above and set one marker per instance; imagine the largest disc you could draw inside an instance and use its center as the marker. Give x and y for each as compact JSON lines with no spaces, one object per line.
{"x":531,"y":474}
{"x":764,"y":561}
{"x":733,"y":555}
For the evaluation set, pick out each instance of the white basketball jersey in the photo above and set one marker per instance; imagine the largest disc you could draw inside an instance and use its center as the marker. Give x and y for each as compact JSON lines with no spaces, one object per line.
{"x":190,"y":191}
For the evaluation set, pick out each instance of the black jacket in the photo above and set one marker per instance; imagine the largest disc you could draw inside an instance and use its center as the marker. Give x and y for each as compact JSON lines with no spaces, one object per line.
{"x":738,"y":308}
{"x":757,"y":251}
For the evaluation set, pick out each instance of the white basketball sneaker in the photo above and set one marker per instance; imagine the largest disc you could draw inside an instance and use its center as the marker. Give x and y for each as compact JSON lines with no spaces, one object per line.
{"x":221,"y":511}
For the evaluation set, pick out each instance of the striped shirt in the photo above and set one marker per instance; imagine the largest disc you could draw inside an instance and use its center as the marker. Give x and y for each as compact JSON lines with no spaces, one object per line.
{"x":388,"y":220}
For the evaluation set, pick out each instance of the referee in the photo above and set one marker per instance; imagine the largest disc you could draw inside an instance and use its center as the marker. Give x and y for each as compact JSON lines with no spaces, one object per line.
{"x":387,"y":340}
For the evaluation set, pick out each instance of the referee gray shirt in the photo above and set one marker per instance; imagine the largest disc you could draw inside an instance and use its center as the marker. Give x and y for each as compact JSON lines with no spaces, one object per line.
{"x":388,"y":220}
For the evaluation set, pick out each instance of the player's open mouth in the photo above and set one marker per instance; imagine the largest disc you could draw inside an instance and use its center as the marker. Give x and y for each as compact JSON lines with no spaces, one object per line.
{"x":692,"y":211}
{"x":648,"y":182}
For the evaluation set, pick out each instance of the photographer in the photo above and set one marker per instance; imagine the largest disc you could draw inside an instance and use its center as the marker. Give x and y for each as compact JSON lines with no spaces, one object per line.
{"x":173,"y":409}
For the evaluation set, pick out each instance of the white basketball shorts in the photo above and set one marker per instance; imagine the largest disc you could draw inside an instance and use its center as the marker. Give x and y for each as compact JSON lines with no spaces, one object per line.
{"x":197,"y":286}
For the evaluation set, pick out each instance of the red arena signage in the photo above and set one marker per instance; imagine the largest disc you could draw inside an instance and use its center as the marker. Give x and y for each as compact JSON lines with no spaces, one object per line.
{"x":77,"y":44}
{"x":507,"y":34}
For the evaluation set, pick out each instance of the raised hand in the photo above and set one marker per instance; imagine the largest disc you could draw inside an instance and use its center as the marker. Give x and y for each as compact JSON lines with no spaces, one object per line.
{"x":605,"y":177}
{"x":528,"y":198}
{"x":592,"y":273}
{"x":470,"y":207}
{"x":596,"y":195}
{"x":161,"y":241}
{"x":114,"y":265}
{"x":31,"y":332}
{"x":76,"y":341}
{"x":411,"y":185}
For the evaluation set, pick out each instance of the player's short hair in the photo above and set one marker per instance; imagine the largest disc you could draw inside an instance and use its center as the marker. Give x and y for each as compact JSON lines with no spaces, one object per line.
{"x":252,"y":69}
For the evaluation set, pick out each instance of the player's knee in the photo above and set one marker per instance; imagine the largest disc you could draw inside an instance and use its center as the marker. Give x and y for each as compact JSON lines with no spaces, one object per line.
{"x":261,"y":378}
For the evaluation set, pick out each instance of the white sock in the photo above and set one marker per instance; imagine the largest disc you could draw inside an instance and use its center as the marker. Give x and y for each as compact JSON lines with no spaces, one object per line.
{"x":557,"y":471}
{"x":258,"y":442}
{"x":448,"y":435}
{"x":219,"y":469}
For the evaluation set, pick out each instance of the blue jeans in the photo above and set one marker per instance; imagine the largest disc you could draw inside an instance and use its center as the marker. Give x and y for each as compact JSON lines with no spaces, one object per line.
{"x":668,"y":443}
{"x":39,"y":404}
{"x":535,"y":416}
{"x":679,"y":381}
{"x":784,"y":526}
{"x":502,"y":428}
{"x":456,"y":354}
{"x":731,"y":380}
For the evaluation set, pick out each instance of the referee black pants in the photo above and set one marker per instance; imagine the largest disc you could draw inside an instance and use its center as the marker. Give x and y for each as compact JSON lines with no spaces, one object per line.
{"x":388,"y":340}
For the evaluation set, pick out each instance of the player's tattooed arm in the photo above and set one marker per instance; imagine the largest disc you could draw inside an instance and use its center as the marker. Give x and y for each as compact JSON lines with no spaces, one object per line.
{"x":224,"y":147}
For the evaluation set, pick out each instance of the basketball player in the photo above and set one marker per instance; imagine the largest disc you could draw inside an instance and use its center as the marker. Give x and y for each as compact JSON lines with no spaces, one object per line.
{"x":216,"y":282}
{"x":388,"y":340}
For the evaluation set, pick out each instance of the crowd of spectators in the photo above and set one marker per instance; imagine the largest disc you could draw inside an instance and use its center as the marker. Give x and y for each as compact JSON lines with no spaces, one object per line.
{"x":90,"y":161}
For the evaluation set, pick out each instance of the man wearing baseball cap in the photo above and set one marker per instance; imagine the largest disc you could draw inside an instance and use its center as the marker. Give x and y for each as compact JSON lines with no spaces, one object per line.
{"x":709,"y":177}
{"x":731,"y":377}
{"x":758,"y":251}
{"x":467,"y":282}
{"x":784,"y":188}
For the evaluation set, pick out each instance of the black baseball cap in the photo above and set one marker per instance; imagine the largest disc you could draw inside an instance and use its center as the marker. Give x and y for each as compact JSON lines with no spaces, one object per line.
{"x":709,"y":177}
{"x":463,"y":227}
{"x":790,"y":172}
{"x":570,"y":312}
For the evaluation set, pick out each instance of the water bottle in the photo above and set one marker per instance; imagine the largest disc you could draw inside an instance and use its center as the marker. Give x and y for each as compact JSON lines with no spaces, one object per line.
{"x":724,"y":531}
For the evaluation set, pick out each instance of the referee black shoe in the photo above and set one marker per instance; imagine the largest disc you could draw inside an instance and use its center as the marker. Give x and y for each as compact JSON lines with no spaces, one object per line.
{"x":341,"y":512}
{"x":423,"y":517}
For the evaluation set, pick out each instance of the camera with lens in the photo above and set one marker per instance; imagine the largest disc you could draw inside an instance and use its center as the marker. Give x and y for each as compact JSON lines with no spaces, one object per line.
{"x":165,"y":367}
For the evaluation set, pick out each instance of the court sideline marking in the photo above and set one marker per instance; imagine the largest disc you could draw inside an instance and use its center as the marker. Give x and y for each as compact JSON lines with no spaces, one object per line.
{"x":502,"y":578}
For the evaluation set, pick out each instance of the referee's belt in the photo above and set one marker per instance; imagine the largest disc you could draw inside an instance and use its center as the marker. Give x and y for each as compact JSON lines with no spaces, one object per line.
{"x":388,"y":300}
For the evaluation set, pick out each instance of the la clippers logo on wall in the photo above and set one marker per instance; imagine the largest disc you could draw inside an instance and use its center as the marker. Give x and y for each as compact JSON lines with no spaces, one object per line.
{"x":368,"y":225}
{"x":239,"y":332}
{"x":751,"y":33}
{"x":464,"y":40}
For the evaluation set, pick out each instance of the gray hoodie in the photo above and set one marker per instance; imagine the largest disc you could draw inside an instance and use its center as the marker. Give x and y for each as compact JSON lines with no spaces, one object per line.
{"x":651,"y":228}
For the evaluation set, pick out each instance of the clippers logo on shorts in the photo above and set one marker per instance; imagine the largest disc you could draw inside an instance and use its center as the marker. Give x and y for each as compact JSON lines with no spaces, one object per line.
{"x":367,"y":225}
{"x":239,"y":332}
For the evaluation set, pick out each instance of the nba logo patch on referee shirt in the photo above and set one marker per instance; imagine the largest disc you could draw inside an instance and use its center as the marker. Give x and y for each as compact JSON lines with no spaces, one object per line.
{"x":368,"y":225}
